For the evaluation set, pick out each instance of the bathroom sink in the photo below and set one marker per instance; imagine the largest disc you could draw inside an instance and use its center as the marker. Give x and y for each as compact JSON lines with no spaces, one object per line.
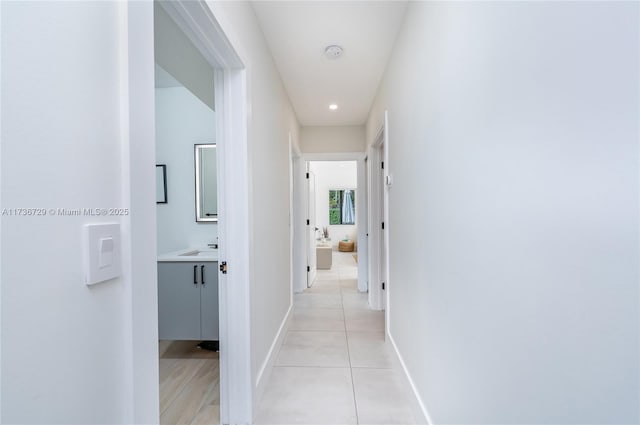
{"x":199,"y":253}
{"x":190,"y":254}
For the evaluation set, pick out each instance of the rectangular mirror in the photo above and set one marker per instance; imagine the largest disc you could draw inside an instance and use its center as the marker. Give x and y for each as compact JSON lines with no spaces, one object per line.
{"x":342,"y":206}
{"x":206,"y":183}
{"x":161,"y":184}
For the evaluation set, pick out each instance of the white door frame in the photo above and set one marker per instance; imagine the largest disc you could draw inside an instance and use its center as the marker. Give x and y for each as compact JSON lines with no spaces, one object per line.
{"x":361,"y":213}
{"x":299,"y":224}
{"x":198,"y":23}
{"x":138,"y":185}
{"x":295,"y":231}
{"x":362,"y":198}
{"x":379,"y":246}
{"x":310,"y":215}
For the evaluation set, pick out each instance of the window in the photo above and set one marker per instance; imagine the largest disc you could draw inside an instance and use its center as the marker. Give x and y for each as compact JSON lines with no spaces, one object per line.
{"x":342,"y":206}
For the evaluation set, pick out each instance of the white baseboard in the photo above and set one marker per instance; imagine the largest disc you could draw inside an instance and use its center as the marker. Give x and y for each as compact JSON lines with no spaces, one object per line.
{"x":269,"y":361}
{"x":419,"y":409}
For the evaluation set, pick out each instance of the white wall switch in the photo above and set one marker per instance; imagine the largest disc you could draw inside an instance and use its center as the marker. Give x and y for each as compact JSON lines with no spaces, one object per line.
{"x":105,"y":256}
{"x":102,"y":252}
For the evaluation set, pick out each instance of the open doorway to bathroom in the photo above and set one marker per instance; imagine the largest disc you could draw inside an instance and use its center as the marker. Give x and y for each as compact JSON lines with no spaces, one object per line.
{"x":186,"y":213}
{"x":195,"y":19}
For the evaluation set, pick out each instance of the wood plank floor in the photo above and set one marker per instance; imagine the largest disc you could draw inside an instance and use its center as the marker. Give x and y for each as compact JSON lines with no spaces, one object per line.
{"x":189,"y":384}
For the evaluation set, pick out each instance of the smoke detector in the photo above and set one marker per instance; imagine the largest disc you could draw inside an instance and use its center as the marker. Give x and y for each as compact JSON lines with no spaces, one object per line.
{"x":333,"y":51}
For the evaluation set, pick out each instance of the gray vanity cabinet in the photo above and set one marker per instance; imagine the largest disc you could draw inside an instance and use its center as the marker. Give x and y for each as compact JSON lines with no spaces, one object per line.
{"x":209,"y":314}
{"x":188,"y":301}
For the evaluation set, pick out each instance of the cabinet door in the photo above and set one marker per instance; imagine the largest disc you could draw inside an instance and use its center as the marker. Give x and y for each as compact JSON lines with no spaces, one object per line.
{"x":209,"y":301}
{"x":178,"y":301}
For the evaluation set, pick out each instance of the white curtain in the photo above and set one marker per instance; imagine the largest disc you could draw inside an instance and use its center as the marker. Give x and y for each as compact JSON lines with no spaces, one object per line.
{"x":348,"y":210}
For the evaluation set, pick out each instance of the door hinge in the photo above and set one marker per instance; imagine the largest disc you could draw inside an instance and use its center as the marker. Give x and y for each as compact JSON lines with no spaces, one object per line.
{"x":223,"y":267}
{"x":308,"y":223}
{"x":307,"y":175}
{"x":382,"y":165}
{"x":383,"y":286}
{"x":383,"y":225}
{"x":308,"y":268}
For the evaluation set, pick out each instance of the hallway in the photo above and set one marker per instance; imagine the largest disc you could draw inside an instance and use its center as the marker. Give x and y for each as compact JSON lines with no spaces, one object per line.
{"x":334,"y":366}
{"x":503,"y":135}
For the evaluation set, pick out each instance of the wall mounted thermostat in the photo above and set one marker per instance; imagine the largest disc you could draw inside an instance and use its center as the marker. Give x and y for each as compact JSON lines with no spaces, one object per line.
{"x":101,"y":252}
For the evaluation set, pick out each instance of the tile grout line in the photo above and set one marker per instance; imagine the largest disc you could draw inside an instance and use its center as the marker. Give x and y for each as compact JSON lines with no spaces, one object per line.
{"x":339,"y":278}
{"x":314,"y":367}
{"x":346,"y":333}
{"x":333,"y":367}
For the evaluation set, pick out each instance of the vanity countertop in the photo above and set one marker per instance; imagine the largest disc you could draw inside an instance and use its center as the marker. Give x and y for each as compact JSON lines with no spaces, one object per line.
{"x":199,"y":254}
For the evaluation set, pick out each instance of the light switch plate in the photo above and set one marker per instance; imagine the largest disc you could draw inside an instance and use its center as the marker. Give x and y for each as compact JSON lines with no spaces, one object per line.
{"x":101,"y":252}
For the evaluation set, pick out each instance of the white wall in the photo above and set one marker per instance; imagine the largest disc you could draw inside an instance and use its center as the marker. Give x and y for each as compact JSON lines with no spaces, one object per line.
{"x":182,"y":120}
{"x":175,"y":53}
{"x":66,"y":347}
{"x":513,"y":227}
{"x":271,"y":118}
{"x":300,"y":225}
{"x":333,"y":175}
{"x":330,"y":139}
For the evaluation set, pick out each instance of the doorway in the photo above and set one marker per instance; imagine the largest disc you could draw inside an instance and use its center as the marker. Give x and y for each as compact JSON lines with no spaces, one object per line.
{"x":382,"y":260}
{"x":187,"y":220}
{"x":312,"y":227}
{"x":378,"y":229}
{"x":332,"y":187}
{"x":311,"y":236}
{"x":196,"y":20}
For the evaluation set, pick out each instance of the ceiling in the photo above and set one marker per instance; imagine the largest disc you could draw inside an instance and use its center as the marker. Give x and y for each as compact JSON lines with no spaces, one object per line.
{"x":298,"y":32}
{"x":165,"y":80}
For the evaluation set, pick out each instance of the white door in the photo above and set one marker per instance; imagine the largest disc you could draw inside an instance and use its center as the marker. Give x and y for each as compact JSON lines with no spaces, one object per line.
{"x":383,"y":234}
{"x":363,"y":245}
{"x":311,"y":228}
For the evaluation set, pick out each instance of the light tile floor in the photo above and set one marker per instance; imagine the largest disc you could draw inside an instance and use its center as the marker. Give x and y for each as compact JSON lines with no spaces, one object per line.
{"x":334,"y":366}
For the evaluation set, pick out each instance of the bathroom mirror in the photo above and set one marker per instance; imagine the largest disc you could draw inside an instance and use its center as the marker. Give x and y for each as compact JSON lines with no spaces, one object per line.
{"x":342,"y":206}
{"x":206,"y":183}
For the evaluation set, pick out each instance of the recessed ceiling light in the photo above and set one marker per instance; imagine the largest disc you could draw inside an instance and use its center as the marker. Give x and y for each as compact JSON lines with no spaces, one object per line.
{"x":333,"y":106}
{"x":333,"y":51}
